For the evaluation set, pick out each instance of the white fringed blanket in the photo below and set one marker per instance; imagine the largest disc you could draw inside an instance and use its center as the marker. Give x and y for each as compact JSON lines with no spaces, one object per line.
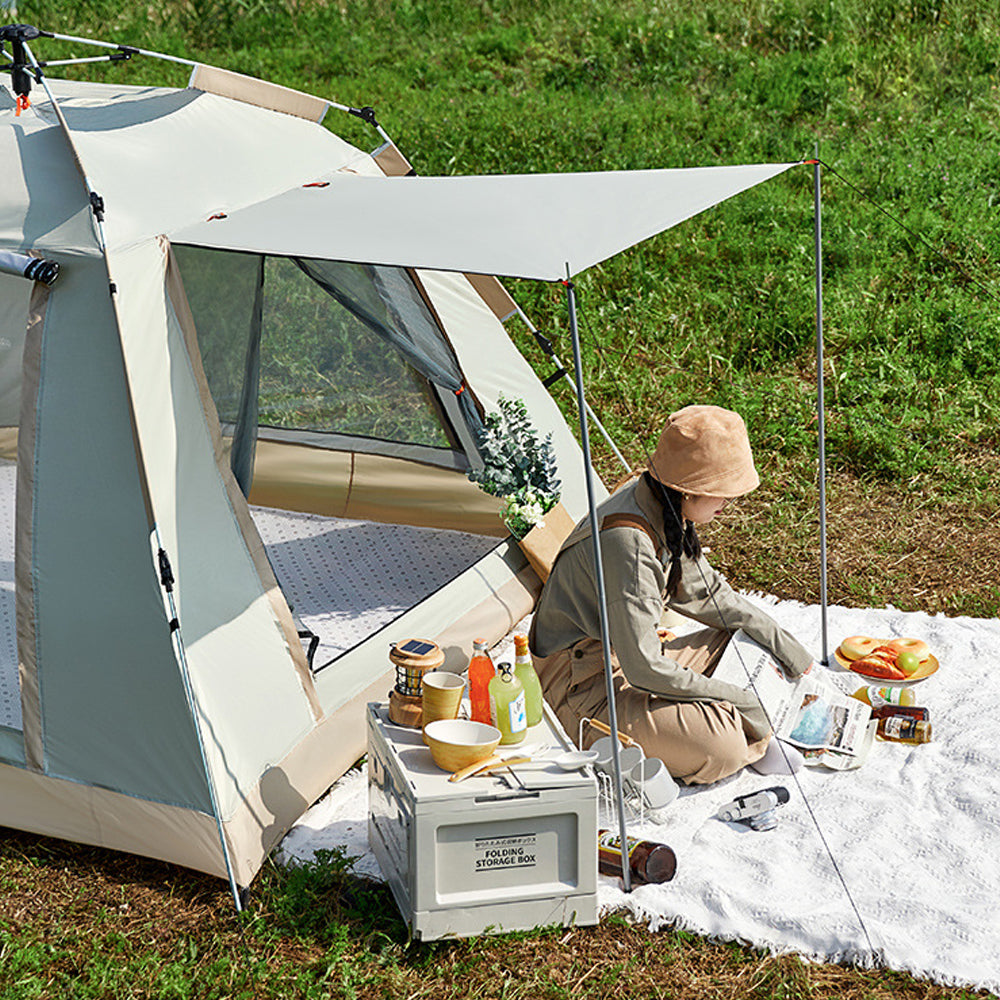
{"x":914,"y":834}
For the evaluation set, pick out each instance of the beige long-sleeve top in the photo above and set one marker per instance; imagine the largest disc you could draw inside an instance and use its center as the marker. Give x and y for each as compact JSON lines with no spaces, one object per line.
{"x":635,"y":579}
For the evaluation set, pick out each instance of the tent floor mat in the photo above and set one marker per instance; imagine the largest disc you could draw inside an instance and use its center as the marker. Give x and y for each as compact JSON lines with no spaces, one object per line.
{"x":347,"y":579}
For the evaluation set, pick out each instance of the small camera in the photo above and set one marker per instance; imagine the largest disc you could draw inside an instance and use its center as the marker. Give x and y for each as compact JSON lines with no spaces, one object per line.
{"x":756,"y":810}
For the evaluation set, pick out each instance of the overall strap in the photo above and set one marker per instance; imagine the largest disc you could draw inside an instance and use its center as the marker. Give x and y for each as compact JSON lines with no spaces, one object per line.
{"x":624,"y":520}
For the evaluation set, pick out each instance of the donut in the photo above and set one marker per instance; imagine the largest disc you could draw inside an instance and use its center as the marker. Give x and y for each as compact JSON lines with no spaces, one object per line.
{"x":917,"y":646}
{"x":856,"y":646}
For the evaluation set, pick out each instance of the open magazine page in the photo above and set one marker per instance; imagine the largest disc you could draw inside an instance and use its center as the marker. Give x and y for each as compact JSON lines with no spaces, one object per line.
{"x":814,"y":712}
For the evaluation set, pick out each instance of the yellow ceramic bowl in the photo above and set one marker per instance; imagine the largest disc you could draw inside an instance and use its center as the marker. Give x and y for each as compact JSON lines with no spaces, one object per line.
{"x":457,"y":743}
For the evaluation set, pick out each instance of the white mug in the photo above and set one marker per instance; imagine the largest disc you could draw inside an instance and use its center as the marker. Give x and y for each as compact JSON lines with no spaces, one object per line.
{"x":653,"y":783}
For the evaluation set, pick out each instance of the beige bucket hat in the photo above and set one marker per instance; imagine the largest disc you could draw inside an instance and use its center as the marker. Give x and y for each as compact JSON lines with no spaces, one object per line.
{"x":705,"y":450}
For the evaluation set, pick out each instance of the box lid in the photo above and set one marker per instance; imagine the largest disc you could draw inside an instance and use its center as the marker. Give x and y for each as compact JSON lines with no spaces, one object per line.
{"x":429,"y":783}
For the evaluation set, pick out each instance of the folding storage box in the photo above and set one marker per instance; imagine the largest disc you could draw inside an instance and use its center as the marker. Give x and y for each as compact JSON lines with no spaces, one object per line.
{"x":502,"y":852}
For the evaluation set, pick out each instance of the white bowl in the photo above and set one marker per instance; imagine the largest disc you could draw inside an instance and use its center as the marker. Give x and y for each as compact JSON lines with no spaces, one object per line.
{"x":457,"y":743}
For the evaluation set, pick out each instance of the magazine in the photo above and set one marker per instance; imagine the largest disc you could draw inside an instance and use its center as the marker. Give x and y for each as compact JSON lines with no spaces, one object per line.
{"x":814,"y":712}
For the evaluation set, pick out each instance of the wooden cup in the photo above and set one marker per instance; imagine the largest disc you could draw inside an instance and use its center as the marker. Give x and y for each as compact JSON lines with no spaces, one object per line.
{"x":442,"y":696}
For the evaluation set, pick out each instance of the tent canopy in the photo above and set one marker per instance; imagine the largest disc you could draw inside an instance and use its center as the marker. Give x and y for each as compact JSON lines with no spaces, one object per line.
{"x":520,"y":225}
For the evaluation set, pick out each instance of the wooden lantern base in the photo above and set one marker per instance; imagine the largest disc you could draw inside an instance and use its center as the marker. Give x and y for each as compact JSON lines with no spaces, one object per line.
{"x":405,"y":710}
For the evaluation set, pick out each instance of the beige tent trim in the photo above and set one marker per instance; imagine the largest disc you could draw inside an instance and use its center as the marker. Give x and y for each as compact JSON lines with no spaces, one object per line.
{"x":298,"y":477}
{"x":31,"y":710}
{"x":224,"y":83}
{"x":494,"y":295}
{"x":55,"y":807}
{"x":251,"y":537}
{"x":391,"y":161}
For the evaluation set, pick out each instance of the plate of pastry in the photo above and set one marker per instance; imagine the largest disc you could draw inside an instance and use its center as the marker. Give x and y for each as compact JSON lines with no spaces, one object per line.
{"x":896,"y":660}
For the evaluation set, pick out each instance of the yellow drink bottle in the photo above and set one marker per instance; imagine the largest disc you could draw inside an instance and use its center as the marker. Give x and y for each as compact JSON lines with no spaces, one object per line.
{"x":524,"y":671}
{"x":507,"y":705}
{"x":878,"y":696}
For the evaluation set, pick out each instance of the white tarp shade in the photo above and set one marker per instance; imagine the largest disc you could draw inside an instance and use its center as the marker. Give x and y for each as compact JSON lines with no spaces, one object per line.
{"x":520,"y":225}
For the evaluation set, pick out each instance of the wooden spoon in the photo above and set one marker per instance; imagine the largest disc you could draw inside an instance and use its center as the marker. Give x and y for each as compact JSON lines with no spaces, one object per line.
{"x":493,"y":763}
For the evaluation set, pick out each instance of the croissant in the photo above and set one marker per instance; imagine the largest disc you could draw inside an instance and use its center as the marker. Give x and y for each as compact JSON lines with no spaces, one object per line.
{"x":878,"y":665}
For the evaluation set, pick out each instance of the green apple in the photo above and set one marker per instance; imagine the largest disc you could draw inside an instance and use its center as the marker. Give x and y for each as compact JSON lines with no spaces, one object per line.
{"x":908,"y":662}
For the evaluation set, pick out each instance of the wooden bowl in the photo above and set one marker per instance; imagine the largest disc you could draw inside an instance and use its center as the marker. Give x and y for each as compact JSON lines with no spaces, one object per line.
{"x":457,"y":743}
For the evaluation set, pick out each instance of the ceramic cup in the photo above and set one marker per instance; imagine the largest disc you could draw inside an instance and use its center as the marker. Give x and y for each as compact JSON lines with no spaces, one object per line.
{"x":628,"y":757}
{"x":653,"y":783}
{"x":441,"y":697}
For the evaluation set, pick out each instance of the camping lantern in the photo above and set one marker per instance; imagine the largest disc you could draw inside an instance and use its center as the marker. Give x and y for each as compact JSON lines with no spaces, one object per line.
{"x":412,"y":659}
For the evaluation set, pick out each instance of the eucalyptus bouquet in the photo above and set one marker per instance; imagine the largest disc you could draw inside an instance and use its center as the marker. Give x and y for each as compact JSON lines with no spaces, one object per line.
{"x":518,"y":467}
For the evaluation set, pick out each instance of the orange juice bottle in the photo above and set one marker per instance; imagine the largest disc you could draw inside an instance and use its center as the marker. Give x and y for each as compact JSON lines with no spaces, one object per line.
{"x":481,"y":672}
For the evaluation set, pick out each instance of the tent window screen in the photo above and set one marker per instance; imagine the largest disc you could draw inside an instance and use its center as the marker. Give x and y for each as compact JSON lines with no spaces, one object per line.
{"x":328,"y":346}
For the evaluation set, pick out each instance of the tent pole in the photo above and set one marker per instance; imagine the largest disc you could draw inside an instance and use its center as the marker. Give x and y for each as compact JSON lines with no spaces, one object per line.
{"x":547,"y":347}
{"x":602,"y":600}
{"x":167,"y":582}
{"x":820,"y":407}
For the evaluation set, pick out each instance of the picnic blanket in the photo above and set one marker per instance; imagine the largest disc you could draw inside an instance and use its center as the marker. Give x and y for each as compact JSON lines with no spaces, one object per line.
{"x":895,"y":864}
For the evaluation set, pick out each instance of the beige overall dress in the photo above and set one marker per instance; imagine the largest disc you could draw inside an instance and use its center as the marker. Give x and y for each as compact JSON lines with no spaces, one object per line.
{"x":666,"y":699}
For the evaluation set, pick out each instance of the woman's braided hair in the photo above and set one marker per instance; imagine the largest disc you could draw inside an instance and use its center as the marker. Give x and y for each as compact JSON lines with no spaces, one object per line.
{"x":680,"y":535}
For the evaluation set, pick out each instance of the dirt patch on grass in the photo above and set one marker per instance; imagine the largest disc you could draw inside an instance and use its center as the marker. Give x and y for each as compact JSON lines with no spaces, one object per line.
{"x":884,"y":546}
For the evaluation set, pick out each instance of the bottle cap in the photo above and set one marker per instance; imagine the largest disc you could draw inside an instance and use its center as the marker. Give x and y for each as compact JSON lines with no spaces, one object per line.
{"x":479,"y":644}
{"x":520,"y":644}
{"x":506,"y":671}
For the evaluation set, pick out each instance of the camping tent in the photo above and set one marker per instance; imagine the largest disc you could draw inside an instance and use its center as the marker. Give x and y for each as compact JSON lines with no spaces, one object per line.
{"x":152,"y":386}
{"x":245,"y":389}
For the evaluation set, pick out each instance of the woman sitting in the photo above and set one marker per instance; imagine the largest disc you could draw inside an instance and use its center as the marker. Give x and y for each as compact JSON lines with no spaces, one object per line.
{"x":703,"y":729}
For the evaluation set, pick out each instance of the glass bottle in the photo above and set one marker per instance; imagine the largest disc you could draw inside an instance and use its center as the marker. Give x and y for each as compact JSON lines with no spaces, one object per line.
{"x":910,"y":711}
{"x":507,"y":705}
{"x":524,"y":671}
{"x":903,"y":729}
{"x":876,"y":696}
{"x":649,"y":861}
{"x":481,"y":672}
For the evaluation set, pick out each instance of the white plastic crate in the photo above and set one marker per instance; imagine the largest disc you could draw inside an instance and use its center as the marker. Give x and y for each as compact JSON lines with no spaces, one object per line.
{"x":493,"y":853}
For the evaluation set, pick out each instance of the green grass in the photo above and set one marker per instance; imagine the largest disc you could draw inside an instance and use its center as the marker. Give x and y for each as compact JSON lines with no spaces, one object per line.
{"x":136,"y":930}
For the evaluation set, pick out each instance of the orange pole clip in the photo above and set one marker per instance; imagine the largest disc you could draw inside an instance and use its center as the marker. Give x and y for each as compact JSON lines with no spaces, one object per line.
{"x":22,"y":104}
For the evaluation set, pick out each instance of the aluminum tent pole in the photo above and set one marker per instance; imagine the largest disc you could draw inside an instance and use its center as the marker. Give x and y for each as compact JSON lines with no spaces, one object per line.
{"x":566,"y":375}
{"x":602,"y":600}
{"x":820,"y":407}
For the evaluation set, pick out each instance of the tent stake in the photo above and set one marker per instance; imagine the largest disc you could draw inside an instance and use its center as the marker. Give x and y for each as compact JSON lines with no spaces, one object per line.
{"x":820,"y":407}
{"x":602,"y":600}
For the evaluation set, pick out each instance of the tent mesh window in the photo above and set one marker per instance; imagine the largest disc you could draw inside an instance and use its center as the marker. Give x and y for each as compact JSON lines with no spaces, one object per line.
{"x":14,"y":301}
{"x":315,"y":346}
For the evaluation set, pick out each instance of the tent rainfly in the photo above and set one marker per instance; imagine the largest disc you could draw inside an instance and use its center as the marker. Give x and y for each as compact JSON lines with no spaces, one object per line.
{"x":243,"y":415}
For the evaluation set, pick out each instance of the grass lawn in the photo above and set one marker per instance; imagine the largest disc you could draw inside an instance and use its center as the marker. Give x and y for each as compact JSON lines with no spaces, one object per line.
{"x":900,"y":97}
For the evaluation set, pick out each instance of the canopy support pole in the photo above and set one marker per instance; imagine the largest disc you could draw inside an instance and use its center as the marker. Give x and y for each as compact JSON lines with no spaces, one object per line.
{"x":602,"y":600}
{"x":820,"y":405}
